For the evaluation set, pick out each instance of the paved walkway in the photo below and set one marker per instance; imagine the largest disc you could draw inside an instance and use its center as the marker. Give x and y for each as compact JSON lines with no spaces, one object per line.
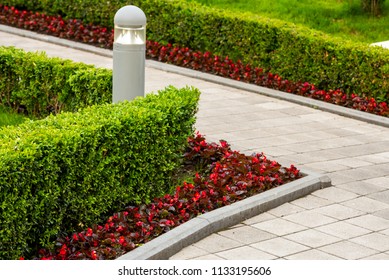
{"x":349,"y":220}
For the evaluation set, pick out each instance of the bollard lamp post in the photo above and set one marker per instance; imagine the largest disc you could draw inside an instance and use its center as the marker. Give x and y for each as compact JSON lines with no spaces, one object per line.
{"x":129,"y":54}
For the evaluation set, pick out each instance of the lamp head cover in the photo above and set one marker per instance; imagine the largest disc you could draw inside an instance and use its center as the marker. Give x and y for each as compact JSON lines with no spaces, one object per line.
{"x":130,"y":16}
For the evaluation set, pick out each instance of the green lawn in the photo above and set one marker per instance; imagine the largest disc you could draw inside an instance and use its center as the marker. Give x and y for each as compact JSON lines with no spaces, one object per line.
{"x":7,"y":117}
{"x":343,"y":18}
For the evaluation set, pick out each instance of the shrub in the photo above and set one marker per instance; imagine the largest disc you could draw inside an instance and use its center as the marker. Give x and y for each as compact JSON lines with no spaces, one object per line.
{"x":68,"y":171}
{"x":293,"y":52}
{"x":37,"y":85}
{"x":93,"y":82}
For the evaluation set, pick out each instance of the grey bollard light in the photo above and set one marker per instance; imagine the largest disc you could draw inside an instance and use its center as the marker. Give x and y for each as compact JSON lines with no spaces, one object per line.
{"x":129,"y":49}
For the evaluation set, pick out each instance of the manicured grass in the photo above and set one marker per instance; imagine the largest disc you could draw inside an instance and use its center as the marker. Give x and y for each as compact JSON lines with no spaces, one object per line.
{"x":7,"y":117}
{"x":342,"y":18}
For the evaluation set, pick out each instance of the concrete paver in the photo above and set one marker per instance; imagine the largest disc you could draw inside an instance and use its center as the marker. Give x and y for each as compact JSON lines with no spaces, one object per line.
{"x":370,"y":222}
{"x":246,"y":234}
{"x":348,"y":250}
{"x":280,"y":247}
{"x":349,"y":220}
{"x":374,"y":240}
{"x":312,"y":238}
{"x":335,"y":194}
{"x":309,"y":219}
{"x":366,"y":204}
{"x":379,"y":181}
{"x":361,"y":187}
{"x":245,"y":253}
{"x":312,"y":255}
{"x":216,"y":243}
{"x":381,"y":196}
{"x":279,"y":227}
{"x":383,"y":214}
{"x":258,"y":219}
{"x":311,"y":202}
{"x":386,"y":232}
{"x":343,"y":230}
{"x":209,"y":257}
{"x":378,"y":257}
{"x":190,"y":252}
{"x":285,"y":209}
{"x":338,"y":211}
{"x":338,"y":178}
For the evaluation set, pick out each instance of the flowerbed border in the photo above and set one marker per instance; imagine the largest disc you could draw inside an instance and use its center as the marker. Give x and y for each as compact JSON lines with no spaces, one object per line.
{"x":170,"y":243}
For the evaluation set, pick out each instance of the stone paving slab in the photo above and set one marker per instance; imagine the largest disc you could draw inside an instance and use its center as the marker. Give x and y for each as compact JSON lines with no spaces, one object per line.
{"x":312,"y":254}
{"x":280,"y":247}
{"x":312,"y":238}
{"x":343,"y":230}
{"x":245,"y":253}
{"x":338,"y":211}
{"x":348,"y":250}
{"x":353,"y":151}
{"x":279,"y":227}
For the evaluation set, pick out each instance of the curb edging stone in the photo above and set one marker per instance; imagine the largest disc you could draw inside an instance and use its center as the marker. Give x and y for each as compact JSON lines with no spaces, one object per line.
{"x":170,"y":243}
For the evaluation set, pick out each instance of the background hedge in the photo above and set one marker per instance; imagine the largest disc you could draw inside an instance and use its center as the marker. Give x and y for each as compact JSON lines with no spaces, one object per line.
{"x":293,"y":52}
{"x":66,"y":172}
{"x":35,"y":84}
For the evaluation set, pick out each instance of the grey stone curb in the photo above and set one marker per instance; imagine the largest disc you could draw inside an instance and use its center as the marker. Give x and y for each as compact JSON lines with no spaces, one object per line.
{"x":343,"y":111}
{"x":204,"y":225}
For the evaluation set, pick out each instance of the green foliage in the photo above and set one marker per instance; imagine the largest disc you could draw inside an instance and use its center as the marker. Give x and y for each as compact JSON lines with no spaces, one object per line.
{"x":340,"y":18}
{"x":67,"y":171}
{"x":293,"y":52}
{"x":8,"y":117}
{"x":39,"y":86}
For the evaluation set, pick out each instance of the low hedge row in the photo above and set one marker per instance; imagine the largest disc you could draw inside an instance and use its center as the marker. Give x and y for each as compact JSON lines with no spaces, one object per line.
{"x":293,"y":52}
{"x":183,"y":56}
{"x":66,"y":172}
{"x":35,"y":84}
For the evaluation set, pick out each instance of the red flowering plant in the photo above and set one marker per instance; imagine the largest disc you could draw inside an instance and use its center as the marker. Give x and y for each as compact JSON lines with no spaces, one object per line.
{"x":74,"y":29}
{"x":229,"y":176}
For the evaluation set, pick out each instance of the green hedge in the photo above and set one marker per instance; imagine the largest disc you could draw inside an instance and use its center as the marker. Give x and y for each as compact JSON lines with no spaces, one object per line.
{"x":71,"y":169}
{"x":295,"y":53}
{"x":39,"y":85}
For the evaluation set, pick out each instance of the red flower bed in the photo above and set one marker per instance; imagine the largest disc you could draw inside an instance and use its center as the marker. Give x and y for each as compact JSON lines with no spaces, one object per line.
{"x":74,"y":29}
{"x":229,"y":176}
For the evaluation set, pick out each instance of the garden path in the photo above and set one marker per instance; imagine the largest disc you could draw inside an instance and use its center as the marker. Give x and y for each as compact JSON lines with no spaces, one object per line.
{"x":349,"y":220}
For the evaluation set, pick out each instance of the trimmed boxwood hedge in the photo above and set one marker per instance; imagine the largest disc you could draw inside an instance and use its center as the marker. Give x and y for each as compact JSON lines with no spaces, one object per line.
{"x":67,"y":171}
{"x":293,"y":52}
{"x":38,"y":85}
